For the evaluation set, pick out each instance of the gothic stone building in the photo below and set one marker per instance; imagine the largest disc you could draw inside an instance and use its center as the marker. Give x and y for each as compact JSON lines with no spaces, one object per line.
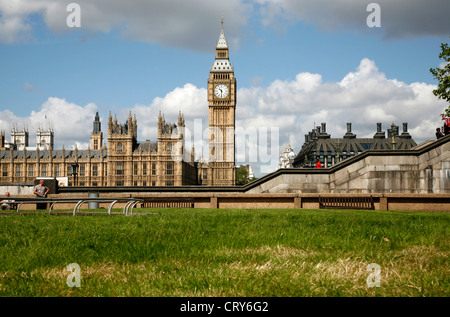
{"x":127,"y":162}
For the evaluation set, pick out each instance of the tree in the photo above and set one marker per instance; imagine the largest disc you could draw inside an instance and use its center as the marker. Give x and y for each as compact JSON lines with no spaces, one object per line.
{"x":442,"y":74}
{"x":241,"y":176}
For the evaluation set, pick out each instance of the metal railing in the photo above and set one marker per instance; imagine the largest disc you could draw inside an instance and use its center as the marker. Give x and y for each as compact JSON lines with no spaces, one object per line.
{"x":130,"y":203}
{"x":168,"y":202}
{"x":346,"y":203}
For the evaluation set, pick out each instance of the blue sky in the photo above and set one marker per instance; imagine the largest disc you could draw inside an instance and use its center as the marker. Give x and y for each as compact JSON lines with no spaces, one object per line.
{"x":298,"y":63}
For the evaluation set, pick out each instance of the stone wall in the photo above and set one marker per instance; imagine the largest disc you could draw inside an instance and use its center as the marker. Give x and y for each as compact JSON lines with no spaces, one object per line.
{"x":423,"y":169}
{"x":214,"y":201}
{"x":24,"y":189}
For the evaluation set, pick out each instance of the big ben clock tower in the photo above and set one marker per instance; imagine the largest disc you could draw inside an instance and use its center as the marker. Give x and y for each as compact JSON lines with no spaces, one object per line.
{"x":222,"y":107}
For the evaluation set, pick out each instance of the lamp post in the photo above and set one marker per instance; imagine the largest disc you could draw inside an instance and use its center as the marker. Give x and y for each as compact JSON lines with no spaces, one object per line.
{"x":338,"y":150}
{"x":74,"y":172}
{"x":393,"y":133}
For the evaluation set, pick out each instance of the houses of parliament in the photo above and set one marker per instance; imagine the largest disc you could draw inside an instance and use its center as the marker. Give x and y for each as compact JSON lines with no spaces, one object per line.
{"x":121,"y":160}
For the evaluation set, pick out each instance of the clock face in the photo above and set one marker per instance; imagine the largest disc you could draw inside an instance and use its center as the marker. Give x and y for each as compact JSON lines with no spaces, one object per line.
{"x":221,"y":91}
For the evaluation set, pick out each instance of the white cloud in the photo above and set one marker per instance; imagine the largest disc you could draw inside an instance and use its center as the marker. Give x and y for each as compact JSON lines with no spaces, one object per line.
{"x":13,"y":29}
{"x":363,"y":98}
{"x":69,"y":121}
{"x":189,"y":99}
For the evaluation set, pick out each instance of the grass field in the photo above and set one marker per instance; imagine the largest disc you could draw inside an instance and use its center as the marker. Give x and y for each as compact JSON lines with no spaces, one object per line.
{"x":257,"y":253}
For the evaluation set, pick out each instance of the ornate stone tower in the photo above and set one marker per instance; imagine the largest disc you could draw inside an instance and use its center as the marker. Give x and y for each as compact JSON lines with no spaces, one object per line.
{"x":222,"y":107}
{"x":122,"y":141}
{"x":45,"y":139}
{"x":97,"y":134}
{"x":169,"y":165}
{"x":19,"y":139}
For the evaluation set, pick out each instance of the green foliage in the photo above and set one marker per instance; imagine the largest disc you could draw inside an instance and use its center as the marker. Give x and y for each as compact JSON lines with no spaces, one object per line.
{"x":242,"y":176}
{"x":442,"y":75}
{"x":446,"y":113}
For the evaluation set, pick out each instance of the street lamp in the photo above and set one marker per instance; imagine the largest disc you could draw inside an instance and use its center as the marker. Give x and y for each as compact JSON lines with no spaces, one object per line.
{"x":338,"y":150}
{"x":394,"y":132}
{"x":74,"y":172}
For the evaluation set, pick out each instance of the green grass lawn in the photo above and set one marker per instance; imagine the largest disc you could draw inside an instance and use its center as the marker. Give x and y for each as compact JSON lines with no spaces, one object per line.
{"x":197,"y":252}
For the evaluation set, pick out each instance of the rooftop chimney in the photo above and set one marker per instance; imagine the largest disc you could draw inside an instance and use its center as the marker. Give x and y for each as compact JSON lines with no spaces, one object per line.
{"x":405,"y":133}
{"x":379,"y":134}
{"x":349,"y":134}
{"x":323,"y":134}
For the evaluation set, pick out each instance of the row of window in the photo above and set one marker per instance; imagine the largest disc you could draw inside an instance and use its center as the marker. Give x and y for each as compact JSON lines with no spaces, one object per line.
{"x":144,"y":183}
{"x":46,"y":171}
{"x":335,"y":153}
{"x":329,"y":158}
{"x":221,"y":76}
{"x":144,"y":171}
{"x":135,"y":183}
{"x":119,"y":147}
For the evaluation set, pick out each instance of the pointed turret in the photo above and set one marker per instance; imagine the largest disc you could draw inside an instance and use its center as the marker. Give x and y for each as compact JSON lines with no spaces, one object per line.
{"x":159,"y":123}
{"x":222,"y":63}
{"x":135,"y":127}
{"x":181,"y":120}
{"x":129,"y":125}
{"x":97,"y":125}
{"x":97,"y":134}
{"x":222,"y":42}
